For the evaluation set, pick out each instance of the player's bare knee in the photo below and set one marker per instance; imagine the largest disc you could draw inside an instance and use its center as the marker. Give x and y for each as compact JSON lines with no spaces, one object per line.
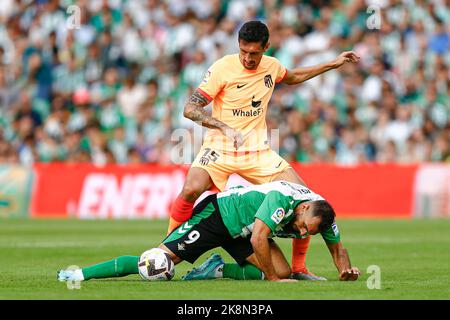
{"x":189,"y":193}
{"x":192,"y":190}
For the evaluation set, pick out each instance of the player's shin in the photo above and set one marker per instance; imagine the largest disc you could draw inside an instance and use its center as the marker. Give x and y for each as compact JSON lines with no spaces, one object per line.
{"x":299,"y":249}
{"x":246,"y":272}
{"x":119,"y":267}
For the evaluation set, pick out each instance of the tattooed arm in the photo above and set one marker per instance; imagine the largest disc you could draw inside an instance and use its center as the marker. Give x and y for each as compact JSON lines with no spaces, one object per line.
{"x":194,"y":110}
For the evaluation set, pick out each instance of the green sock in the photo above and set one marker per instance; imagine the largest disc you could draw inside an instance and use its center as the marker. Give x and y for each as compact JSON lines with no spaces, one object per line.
{"x":119,"y":267}
{"x":246,"y":272}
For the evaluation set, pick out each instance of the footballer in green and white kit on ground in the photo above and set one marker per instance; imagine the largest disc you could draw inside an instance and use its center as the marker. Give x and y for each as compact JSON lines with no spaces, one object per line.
{"x":243,"y":221}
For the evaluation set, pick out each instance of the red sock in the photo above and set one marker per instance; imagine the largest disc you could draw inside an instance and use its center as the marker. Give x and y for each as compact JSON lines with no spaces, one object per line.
{"x":299,"y":249}
{"x":181,"y":211}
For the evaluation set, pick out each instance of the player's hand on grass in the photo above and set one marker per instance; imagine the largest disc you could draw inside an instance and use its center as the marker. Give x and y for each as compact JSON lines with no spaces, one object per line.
{"x":346,"y":56}
{"x":351,"y":274}
{"x":234,"y":135}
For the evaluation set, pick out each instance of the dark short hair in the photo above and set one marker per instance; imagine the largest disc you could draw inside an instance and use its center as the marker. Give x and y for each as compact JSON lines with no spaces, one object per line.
{"x":254,"y":31}
{"x":322,"y":209}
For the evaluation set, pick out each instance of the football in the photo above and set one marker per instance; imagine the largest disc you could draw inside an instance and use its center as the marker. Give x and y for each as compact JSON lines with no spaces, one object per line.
{"x":155,"y":264}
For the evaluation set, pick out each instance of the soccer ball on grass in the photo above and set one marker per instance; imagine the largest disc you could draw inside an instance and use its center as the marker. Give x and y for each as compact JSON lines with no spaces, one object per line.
{"x":155,"y":264}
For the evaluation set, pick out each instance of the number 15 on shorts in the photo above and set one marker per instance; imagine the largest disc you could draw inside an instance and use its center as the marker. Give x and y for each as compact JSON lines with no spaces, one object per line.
{"x":209,"y":155}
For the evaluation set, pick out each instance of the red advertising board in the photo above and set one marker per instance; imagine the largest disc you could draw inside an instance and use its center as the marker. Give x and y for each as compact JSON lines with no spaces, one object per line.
{"x":369,"y":190}
{"x":113,"y":191}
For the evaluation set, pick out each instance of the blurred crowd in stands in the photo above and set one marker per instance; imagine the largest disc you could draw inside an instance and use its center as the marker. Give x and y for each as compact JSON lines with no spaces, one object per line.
{"x":112,"y":90}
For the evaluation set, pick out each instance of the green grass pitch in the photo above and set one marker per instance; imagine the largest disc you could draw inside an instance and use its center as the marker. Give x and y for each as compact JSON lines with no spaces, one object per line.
{"x":413,"y":256}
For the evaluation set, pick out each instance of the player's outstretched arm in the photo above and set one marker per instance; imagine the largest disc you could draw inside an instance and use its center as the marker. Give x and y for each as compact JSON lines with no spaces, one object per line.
{"x":195,"y":110}
{"x":342,"y":262}
{"x":300,"y":75}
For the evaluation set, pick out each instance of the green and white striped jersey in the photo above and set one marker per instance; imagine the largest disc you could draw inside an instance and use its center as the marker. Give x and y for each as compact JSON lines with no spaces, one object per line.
{"x":273,"y":203}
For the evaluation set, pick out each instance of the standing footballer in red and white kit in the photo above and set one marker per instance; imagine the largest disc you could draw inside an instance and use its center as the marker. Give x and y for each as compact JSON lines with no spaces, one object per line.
{"x":240,"y":86}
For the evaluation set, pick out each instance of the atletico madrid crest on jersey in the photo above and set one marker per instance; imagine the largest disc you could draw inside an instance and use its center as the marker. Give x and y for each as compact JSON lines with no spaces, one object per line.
{"x":268,"y":81}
